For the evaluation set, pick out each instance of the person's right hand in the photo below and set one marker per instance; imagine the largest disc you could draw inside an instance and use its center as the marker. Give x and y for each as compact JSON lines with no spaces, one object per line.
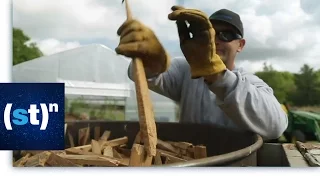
{"x":137,"y":40}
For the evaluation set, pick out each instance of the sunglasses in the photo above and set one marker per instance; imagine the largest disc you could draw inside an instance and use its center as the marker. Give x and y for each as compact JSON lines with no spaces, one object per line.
{"x":227,"y":36}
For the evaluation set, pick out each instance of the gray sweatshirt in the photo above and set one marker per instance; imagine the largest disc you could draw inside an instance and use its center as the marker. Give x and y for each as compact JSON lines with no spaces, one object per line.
{"x":239,"y":101}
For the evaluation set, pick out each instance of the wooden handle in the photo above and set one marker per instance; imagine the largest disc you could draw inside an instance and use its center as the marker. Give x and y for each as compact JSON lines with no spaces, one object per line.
{"x":128,"y":11}
{"x":146,"y":116}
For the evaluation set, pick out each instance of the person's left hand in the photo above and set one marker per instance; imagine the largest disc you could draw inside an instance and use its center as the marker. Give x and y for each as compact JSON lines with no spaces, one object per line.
{"x":200,"y":49}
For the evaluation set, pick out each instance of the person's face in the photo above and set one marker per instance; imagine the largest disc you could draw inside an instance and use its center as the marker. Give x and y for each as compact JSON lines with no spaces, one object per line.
{"x":227,"y":50}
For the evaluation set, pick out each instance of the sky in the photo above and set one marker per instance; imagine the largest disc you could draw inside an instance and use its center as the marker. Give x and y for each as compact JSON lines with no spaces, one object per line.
{"x":281,"y":33}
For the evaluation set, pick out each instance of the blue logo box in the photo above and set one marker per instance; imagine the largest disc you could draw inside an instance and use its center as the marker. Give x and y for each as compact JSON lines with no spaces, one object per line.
{"x":32,"y":116}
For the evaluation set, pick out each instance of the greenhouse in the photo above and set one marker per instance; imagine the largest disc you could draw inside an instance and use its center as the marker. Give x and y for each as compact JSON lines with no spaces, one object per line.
{"x":96,"y":83}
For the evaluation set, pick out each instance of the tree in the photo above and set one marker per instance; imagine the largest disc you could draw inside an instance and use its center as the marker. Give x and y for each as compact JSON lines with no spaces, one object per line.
{"x":282,"y":83}
{"x":308,"y":86}
{"x":267,"y":68}
{"x":21,"y":50}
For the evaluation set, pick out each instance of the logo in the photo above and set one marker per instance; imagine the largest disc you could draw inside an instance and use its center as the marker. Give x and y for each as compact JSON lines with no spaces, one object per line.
{"x":22,"y":119}
{"x":32,"y":116}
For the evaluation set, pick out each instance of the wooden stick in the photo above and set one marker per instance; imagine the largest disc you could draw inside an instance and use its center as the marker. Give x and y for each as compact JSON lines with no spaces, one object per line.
{"x":312,"y":161}
{"x":87,"y":147}
{"x":84,"y":134}
{"x":105,"y":136}
{"x":71,"y":141}
{"x":145,"y":109}
{"x":181,"y":145}
{"x":116,"y":142}
{"x":94,"y":160}
{"x":174,"y":154}
{"x":171,"y":159}
{"x":166,"y":146}
{"x":137,"y":139}
{"x":78,"y":151}
{"x":147,"y":122}
{"x":81,"y":134}
{"x":86,"y":137}
{"x":97,"y":133}
{"x":65,"y":128}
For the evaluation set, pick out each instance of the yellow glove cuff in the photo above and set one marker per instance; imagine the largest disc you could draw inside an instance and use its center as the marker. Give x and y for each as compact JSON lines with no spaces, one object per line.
{"x":214,"y":66}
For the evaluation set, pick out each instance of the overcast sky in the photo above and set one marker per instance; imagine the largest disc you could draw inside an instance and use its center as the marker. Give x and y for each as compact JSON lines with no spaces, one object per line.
{"x":284,"y":33}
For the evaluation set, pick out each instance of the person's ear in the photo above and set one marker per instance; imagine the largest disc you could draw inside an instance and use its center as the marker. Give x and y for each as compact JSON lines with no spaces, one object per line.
{"x":242,"y":42}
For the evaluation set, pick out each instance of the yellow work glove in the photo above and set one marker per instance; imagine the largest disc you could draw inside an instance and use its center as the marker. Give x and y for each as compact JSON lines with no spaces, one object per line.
{"x":200,"y":49}
{"x":137,"y":40}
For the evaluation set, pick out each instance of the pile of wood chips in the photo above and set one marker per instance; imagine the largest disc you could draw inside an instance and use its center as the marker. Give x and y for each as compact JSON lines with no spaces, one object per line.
{"x":105,"y":152}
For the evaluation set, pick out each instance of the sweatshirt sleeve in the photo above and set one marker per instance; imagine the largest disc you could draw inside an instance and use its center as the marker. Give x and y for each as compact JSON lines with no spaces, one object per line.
{"x":250,"y":103}
{"x":168,"y":83}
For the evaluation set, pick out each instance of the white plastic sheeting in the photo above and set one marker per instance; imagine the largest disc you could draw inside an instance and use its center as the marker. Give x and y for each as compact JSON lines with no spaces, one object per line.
{"x":93,"y":71}
{"x":86,"y":88}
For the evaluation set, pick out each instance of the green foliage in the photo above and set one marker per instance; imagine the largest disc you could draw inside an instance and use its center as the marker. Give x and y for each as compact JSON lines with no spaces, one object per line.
{"x":21,"y":50}
{"x":308,"y":82}
{"x":282,"y":83}
{"x":298,"y":89}
{"x":96,"y":111}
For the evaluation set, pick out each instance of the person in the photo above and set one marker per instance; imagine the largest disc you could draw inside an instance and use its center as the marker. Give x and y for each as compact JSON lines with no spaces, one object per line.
{"x":205,"y":83}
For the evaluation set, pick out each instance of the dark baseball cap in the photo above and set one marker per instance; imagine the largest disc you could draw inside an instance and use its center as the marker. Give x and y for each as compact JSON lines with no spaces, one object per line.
{"x":227,"y":16}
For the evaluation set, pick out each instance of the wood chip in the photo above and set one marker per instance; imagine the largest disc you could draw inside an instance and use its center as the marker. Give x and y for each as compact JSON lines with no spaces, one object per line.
{"x":200,"y":152}
{"x":57,"y":161}
{"x":96,"y":147}
{"x":116,"y":154}
{"x":38,"y":160}
{"x":112,"y":152}
{"x":125,"y":161}
{"x":139,"y":156}
{"x":108,"y":151}
{"x":94,"y":160}
{"x":124,"y":151}
{"x":22,"y":161}
{"x":23,"y":153}
{"x":157,"y":159}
